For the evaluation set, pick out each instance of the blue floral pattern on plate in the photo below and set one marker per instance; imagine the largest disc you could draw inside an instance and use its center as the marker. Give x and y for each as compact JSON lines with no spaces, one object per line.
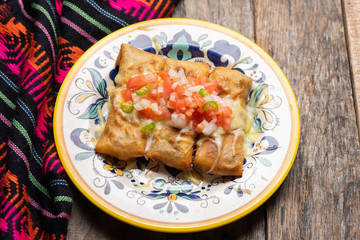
{"x":170,"y":195}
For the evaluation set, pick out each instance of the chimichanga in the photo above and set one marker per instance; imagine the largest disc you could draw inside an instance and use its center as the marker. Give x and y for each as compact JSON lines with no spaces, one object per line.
{"x":161,"y":108}
{"x":133,"y":61}
{"x":233,"y":83}
{"x":170,"y":145}
{"x":121,"y":138}
{"x":222,"y":154}
{"x":191,"y":69}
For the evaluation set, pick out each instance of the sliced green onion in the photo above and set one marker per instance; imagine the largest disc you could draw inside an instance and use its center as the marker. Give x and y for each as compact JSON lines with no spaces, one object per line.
{"x":148,"y":127}
{"x":211,"y":105}
{"x":203,"y":92}
{"x":144,"y":90}
{"x":127,"y":107}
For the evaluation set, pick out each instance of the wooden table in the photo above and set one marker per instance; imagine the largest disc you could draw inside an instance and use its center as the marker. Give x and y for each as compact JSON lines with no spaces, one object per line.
{"x":317,"y":44}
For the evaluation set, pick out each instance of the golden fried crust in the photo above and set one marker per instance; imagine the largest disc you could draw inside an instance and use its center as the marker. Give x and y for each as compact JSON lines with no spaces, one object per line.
{"x":172,"y":147}
{"x":169,"y":145}
{"x":121,"y":139}
{"x":233,"y":83}
{"x":133,"y":61}
{"x":227,"y":162}
{"x":191,"y":69}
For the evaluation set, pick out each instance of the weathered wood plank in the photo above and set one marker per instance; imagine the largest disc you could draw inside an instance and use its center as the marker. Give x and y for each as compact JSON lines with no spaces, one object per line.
{"x":352,"y":22}
{"x":234,"y":14}
{"x":320,"y":197}
{"x":88,"y":222}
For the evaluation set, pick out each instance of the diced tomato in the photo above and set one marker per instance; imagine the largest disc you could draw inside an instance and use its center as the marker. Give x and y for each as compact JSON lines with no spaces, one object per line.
{"x":126,"y":95}
{"x":199,"y":100}
{"x":154,"y":95}
{"x":137,"y":82}
{"x":226,"y":124}
{"x":197,"y":117}
{"x":189,"y":112}
{"x":176,"y":101}
{"x":192,"y":81}
{"x":200,"y":127}
{"x":179,"y":90}
{"x":209,"y":115}
{"x":150,"y":114}
{"x":187,"y":102}
{"x":166,"y":114}
{"x":163,"y":74}
{"x":180,"y":105}
{"x":167,"y":87}
{"x":172,"y":104}
{"x":201,"y":80}
{"x":211,"y":86}
{"x":224,"y":111}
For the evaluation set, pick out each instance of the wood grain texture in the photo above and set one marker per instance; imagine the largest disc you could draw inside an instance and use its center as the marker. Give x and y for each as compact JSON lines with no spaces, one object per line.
{"x":351,"y":9}
{"x":234,"y":14}
{"x":320,"y":197}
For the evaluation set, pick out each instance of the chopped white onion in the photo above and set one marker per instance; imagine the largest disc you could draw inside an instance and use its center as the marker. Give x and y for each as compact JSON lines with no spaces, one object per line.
{"x":173,"y":74}
{"x":209,"y":98}
{"x":178,"y":120}
{"x":162,"y":102}
{"x":182,"y":76}
{"x":160,"y":89}
{"x":135,"y":97}
{"x":154,"y":91}
{"x":191,"y":124}
{"x":204,"y":122}
{"x":138,"y":107}
{"x":145,"y":103}
{"x":195,"y":88}
{"x":215,"y":98}
{"x":172,"y":97}
{"x":190,"y":99}
{"x":147,"y":121}
{"x":187,"y":93}
{"x":209,"y":128}
{"x":173,"y":86}
{"x":155,"y":108}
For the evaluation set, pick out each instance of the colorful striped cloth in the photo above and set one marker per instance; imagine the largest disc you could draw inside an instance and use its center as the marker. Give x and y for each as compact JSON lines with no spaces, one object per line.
{"x":39,"y":42}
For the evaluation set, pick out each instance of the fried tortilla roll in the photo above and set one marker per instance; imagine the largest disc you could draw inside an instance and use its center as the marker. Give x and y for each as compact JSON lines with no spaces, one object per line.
{"x":171,"y":146}
{"x":221,"y":155}
{"x":133,"y":61}
{"x":232,"y":83}
{"x":191,"y":69}
{"x":121,"y":137}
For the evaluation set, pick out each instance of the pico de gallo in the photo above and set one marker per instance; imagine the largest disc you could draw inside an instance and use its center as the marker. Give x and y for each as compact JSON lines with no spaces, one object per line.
{"x":185,"y":101}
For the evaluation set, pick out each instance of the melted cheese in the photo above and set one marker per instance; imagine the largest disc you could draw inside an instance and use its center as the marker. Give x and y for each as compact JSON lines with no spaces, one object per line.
{"x":240,"y":117}
{"x":149,"y":141}
{"x":237,"y":133}
{"x":188,"y":140}
{"x":217,"y":139}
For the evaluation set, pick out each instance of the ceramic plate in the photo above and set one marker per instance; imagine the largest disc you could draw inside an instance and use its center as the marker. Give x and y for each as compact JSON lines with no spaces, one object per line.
{"x":152,"y":196}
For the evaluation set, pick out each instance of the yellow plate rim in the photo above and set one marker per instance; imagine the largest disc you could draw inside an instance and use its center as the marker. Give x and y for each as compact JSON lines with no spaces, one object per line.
{"x":178,"y":227}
